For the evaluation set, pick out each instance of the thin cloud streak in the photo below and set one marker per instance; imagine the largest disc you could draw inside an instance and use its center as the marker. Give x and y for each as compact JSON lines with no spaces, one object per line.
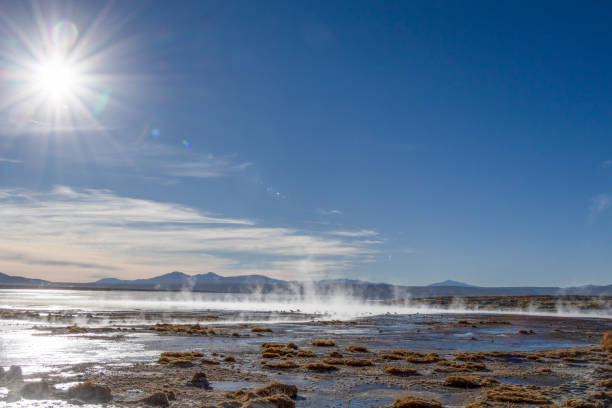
{"x":213,"y":167}
{"x":7,"y":160}
{"x":355,"y":234}
{"x":329,"y":212}
{"x":599,"y":204}
{"x":66,"y":231}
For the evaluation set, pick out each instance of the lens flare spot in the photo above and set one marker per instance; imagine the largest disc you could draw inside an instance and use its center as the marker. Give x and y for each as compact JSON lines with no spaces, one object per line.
{"x":102,"y":101}
{"x":155,"y":132}
{"x":64,"y":34}
{"x":186,"y":143}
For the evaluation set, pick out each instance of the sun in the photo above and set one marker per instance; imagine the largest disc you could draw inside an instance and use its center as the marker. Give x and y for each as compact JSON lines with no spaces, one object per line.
{"x":56,"y":79}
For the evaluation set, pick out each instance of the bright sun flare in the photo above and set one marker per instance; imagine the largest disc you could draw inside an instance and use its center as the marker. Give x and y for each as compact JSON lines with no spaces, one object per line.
{"x":56,"y":79}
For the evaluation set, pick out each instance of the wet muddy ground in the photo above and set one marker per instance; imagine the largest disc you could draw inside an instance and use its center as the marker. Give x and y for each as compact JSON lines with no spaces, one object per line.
{"x":451,"y":359}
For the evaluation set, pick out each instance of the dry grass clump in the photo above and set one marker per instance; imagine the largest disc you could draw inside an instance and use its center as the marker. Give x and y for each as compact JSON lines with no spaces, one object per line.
{"x":517,"y":394}
{"x":403,"y":353}
{"x":179,"y":359}
{"x":465,"y":381}
{"x":271,"y":344}
{"x":175,"y":357}
{"x":419,"y":358}
{"x":74,"y":329}
{"x":275,"y":350}
{"x":90,"y":392}
{"x":606,"y":342}
{"x":447,"y":366}
{"x":320,"y":366}
{"x":275,"y":395}
{"x":193,"y":329}
{"x":281,"y":364}
{"x":261,"y":330}
{"x":405,"y":371}
{"x":415,"y":402}
{"x":305,"y":353}
{"x":572,"y":403}
{"x":391,"y":356}
{"x":571,"y":354}
{"x":358,"y":362}
{"x":278,"y":388}
{"x":463,"y":356}
{"x":469,"y":381}
{"x":359,"y":349}
{"x":606,"y":383}
{"x":323,"y":343}
{"x":333,"y":361}
{"x":180,"y":362}
{"x":180,"y":354}
{"x":209,"y":361}
{"x":276,"y":400}
{"x":411,"y":356}
{"x":229,"y":359}
{"x":336,"y":354}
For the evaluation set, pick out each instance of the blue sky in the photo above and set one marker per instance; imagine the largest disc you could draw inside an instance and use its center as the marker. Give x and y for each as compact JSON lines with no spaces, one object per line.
{"x":407,"y":142}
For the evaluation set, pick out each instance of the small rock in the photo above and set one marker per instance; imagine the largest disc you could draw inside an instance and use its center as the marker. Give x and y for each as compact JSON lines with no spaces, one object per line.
{"x":36,"y":390}
{"x":199,"y":380}
{"x":158,"y":399}
{"x":14,"y":374}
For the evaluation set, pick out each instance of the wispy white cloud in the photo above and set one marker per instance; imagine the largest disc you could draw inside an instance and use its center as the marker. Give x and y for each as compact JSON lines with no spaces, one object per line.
{"x":606,"y":163}
{"x":7,"y":160}
{"x":329,"y":212}
{"x":68,"y":234}
{"x":360,"y":233}
{"x":599,"y":204}
{"x":206,"y":168}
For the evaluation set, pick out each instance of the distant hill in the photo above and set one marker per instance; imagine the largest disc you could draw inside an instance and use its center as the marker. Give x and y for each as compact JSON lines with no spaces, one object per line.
{"x":211,"y":282}
{"x":18,"y":280}
{"x":203,"y":282}
{"x":452,"y":283}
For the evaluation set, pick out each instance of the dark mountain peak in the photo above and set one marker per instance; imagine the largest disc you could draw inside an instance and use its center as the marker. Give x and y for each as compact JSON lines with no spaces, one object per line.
{"x":175,"y":274}
{"x":109,"y":280}
{"x":452,"y":283}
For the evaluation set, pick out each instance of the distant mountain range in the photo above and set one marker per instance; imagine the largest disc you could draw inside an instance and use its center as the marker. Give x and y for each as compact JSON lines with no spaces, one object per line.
{"x":452,"y":283}
{"x":211,"y":282}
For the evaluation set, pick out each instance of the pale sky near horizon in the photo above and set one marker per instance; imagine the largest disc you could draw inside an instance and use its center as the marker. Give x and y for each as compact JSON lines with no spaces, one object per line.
{"x":405,"y":142}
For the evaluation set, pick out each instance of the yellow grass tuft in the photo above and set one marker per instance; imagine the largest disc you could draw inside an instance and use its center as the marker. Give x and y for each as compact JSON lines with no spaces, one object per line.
{"x":320,"y":366}
{"x":281,"y":364}
{"x":517,"y":394}
{"x":606,"y":342}
{"x":405,"y":371}
{"x":416,"y":402}
{"x":323,"y":343}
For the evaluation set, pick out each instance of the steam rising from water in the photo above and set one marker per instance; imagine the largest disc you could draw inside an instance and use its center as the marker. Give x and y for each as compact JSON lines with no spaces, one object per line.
{"x":285,"y":308}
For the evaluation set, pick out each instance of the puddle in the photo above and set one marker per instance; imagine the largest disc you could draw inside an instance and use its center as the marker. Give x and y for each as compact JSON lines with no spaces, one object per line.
{"x":234,"y":385}
{"x":66,"y":385}
{"x":540,"y":380}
